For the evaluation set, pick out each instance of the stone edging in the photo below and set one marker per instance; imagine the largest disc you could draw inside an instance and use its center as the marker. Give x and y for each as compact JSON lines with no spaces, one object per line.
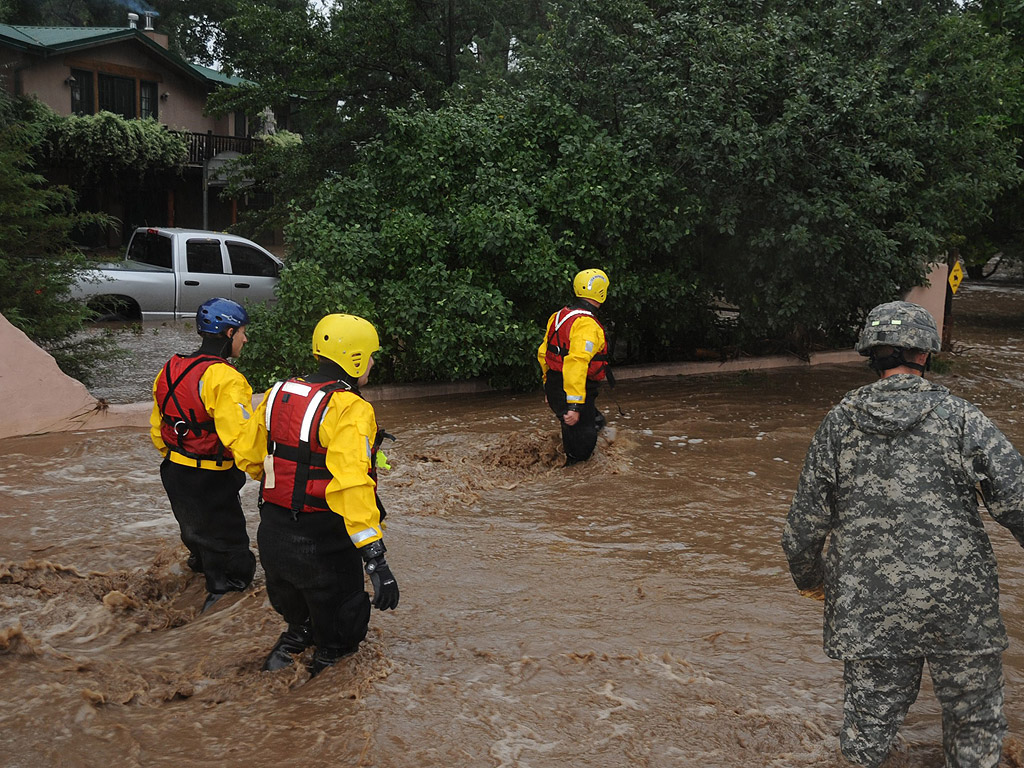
{"x":137,"y":414}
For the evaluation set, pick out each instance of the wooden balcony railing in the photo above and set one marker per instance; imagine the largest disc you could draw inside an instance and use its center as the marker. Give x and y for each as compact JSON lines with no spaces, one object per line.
{"x":202,"y":146}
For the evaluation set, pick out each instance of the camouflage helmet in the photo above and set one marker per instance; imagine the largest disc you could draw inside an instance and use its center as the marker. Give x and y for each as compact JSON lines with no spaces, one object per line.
{"x":901,"y":325}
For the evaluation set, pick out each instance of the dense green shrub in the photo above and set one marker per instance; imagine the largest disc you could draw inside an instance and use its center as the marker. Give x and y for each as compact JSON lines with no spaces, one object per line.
{"x":833,"y":149}
{"x":459,"y":231}
{"x":799,"y":161}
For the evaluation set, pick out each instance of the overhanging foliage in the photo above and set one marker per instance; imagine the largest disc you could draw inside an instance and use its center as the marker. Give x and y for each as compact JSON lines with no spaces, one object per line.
{"x":801,"y":161}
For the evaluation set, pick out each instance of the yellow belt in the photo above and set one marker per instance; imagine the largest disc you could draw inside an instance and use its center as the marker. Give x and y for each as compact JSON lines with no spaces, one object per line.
{"x":187,"y":461}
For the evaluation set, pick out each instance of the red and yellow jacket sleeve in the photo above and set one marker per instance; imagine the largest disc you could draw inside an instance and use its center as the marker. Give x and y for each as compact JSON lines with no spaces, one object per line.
{"x":348,"y":430}
{"x":228,"y":399}
{"x":586,"y":339}
{"x":155,"y":420}
{"x":542,"y":350}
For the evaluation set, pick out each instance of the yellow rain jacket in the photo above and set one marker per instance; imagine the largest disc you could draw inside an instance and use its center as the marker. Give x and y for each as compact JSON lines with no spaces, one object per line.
{"x":586,"y":339}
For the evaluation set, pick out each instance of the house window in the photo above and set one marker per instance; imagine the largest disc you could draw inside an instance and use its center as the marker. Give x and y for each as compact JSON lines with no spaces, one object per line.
{"x":81,"y":92}
{"x":240,"y":126}
{"x":117,"y":95}
{"x":147,"y":99}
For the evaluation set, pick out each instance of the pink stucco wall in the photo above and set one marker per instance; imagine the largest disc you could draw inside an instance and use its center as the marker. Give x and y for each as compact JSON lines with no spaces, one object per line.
{"x":38,"y":397}
{"x":181,"y":110}
{"x":933,"y":296}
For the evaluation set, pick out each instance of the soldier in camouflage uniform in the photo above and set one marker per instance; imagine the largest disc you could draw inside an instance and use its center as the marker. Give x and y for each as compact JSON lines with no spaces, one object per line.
{"x":909,"y":575}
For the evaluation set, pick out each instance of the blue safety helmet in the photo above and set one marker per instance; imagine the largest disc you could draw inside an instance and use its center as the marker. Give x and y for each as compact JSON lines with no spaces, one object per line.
{"x":217,"y":315}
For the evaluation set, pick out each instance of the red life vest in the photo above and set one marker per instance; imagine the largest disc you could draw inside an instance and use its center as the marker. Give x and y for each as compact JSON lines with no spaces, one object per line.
{"x":295,"y":410}
{"x":558,"y":343}
{"x":187,"y":427}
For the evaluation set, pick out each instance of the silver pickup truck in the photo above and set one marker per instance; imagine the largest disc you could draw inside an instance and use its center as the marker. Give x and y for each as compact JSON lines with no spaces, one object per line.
{"x":167,"y":273}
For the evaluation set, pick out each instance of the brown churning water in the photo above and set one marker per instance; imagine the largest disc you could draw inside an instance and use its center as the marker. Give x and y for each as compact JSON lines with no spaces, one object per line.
{"x":635,"y":610}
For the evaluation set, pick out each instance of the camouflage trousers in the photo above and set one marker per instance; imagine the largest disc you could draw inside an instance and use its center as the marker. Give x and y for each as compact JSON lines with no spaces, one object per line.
{"x":878,"y":693}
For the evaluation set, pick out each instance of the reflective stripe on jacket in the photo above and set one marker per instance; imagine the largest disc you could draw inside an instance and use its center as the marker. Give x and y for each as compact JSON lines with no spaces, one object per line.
{"x":294,"y":412}
{"x":558,"y":343}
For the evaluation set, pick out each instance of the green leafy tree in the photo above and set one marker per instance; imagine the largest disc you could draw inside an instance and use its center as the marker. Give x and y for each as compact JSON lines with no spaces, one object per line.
{"x":37,"y":258}
{"x":458,"y":233}
{"x":64,"y":13}
{"x":833,"y":149}
{"x":1002,"y":233}
{"x":197,"y":28}
{"x":332,"y":72}
{"x":801,"y":161}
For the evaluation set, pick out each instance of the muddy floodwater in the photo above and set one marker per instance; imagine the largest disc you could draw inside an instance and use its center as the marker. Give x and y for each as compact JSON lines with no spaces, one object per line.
{"x":632,"y":611}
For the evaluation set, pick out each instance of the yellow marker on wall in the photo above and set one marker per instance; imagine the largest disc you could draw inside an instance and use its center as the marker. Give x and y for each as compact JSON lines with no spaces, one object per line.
{"x":956,"y":276}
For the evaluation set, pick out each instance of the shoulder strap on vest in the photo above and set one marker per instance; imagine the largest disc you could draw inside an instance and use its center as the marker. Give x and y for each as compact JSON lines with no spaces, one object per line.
{"x":560,"y":320}
{"x":187,"y":421}
{"x":306,"y":461}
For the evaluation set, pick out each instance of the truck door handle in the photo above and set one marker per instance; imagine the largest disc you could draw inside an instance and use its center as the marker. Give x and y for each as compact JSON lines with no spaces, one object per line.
{"x":191,"y":282}
{"x":241,"y":285}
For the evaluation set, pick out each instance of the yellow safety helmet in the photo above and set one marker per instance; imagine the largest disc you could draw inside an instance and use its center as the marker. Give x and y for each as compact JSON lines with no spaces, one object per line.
{"x":347,"y":340}
{"x":591,"y":284}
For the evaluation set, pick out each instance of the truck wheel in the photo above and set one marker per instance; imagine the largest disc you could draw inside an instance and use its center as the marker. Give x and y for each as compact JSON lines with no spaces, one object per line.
{"x":108,"y":308}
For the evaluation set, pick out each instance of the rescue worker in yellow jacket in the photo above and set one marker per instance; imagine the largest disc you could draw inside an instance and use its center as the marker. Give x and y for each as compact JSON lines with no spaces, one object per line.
{"x":573,"y":360}
{"x":320,"y":518}
{"x":201,"y":424}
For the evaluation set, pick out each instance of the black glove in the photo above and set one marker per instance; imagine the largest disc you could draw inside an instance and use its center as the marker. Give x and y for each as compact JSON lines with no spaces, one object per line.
{"x":385,"y":587}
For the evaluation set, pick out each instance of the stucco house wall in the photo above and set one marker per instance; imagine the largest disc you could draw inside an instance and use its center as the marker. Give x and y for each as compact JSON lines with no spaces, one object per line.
{"x":45,"y":71}
{"x":182,"y":109}
{"x":933,"y":296}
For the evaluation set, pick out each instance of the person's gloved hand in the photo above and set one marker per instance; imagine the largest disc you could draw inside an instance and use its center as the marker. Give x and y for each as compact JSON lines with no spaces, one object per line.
{"x":815,"y":593}
{"x":385,"y":587}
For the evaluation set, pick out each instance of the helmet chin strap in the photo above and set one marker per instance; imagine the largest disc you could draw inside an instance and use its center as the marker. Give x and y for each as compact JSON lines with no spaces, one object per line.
{"x":896,"y":359}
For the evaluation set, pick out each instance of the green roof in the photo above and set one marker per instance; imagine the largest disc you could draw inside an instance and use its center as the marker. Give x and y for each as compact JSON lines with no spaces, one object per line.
{"x":45,"y":41}
{"x":61,"y":38}
{"x":219,"y":77}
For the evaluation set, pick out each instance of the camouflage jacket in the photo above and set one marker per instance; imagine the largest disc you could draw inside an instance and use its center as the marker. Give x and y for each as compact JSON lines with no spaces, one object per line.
{"x":890,"y":481}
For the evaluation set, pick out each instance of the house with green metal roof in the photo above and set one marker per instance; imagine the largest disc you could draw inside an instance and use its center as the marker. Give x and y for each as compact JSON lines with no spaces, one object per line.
{"x":124,"y":70}
{"x":131,"y":72}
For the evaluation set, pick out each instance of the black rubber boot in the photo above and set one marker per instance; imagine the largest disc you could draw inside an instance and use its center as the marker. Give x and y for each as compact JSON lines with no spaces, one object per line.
{"x":211,"y":598}
{"x":326,"y":657}
{"x":295,"y":639}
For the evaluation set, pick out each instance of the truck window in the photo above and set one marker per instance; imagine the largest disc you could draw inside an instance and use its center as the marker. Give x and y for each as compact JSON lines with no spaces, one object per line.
{"x":151,"y":248}
{"x":246,"y":260}
{"x":204,"y":256}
